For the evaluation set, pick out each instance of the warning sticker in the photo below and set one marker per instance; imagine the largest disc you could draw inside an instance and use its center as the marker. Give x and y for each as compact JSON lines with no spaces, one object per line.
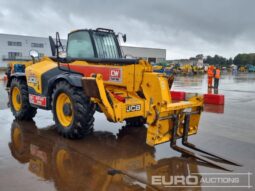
{"x":37,"y":100}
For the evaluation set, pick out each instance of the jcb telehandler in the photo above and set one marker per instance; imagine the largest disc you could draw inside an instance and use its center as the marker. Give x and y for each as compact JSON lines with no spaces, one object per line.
{"x":95,"y":75}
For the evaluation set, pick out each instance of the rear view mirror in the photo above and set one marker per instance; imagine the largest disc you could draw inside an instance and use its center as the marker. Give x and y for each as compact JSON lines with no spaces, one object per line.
{"x":55,"y":46}
{"x":34,"y":54}
{"x":52,"y":46}
{"x":62,"y":54}
{"x":124,"y":37}
{"x":129,"y":56}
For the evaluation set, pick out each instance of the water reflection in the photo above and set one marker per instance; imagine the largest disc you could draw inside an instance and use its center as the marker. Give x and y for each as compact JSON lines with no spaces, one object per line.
{"x":84,"y":164}
{"x":214,"y":108}
{"x":187,"y":81}
{"x":241,"y":82}
{"x":3,"y":95}
{"x":244,"y":78}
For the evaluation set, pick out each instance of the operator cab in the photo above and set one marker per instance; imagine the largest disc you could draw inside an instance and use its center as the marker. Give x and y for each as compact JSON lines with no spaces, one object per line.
{"x":95,"y":46}
{"x":99,"y":43}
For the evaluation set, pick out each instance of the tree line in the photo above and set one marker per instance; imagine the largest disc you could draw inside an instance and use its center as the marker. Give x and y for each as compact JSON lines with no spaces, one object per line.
{"x":239,"y":60}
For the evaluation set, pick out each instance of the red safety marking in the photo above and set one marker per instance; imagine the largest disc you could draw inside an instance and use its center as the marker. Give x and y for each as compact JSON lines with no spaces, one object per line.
{"x":177,"y":95}
{"x":37,"y":100}
{"x":214,"y":99}
{"x":109,"y":74}
{"x":118,"y":97}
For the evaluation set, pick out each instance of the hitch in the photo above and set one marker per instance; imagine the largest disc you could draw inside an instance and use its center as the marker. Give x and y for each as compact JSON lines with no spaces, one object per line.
{"x":185,"y":142}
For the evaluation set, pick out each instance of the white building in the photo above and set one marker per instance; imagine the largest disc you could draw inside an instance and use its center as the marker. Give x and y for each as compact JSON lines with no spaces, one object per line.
{"x":151,"y":54}
{"x":194,"y":61}
{"x":17,"y":47}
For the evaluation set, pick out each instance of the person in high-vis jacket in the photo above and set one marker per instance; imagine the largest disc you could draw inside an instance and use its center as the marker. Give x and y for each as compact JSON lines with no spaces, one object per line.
{"x":216,"y":78}
{"x":210,"y":74}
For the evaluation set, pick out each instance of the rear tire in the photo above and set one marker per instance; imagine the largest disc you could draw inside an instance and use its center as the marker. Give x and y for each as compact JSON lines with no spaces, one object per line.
{"x":19,"y":100}
{"x":72,"y":111}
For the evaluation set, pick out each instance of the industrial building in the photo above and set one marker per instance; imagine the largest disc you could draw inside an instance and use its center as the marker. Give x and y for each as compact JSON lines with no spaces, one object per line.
{"x":17,"y":47}
{"x":153,"y":55}
{"x":194,"y":61}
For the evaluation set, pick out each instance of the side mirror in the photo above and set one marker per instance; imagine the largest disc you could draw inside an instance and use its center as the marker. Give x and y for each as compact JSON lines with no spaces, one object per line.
{"x":62,"y":54}
{"x":124,"y":37}
{"x":127,"y":56}
{"x":52,"y":46}
{"x":34,"y":54}
{"x":55,"y":46}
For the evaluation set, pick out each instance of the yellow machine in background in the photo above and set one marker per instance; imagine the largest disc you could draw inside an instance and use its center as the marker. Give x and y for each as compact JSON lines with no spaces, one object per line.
{"x":186,"y":69}
{"x":198,"y":70}
{"x":164,"y":68}
{"x":157,"y":67}
{"x":242,"y":69}
{"x":25,"y":63}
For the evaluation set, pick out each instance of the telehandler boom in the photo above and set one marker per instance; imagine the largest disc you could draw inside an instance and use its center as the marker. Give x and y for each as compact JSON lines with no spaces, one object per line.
{"x":95,"y":75}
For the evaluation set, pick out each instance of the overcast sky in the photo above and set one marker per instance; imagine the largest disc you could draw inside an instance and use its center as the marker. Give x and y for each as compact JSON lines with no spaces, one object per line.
{"x":184,"y":27}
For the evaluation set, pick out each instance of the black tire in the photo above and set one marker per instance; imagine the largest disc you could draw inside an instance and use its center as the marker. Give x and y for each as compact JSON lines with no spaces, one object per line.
{"x":26,"y":112}
{"x":82,"y":111}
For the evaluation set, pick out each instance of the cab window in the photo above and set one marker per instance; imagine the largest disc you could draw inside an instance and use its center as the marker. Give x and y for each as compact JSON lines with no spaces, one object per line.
{"x":106,"y":45}
{"x":80,"y":45}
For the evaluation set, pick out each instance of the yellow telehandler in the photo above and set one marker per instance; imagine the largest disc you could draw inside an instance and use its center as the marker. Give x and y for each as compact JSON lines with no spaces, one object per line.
{"x":94,"y":75}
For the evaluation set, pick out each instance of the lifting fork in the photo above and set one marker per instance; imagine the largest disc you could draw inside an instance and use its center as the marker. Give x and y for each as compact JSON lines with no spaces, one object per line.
{"x":191,"y":146}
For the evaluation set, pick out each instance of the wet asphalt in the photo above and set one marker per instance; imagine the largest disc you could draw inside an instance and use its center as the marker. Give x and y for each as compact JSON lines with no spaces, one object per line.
{"x":3,"y":94}
{"x":34,"y":157}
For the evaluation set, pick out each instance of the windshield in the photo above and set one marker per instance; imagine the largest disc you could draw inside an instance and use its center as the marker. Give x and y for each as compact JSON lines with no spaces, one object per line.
{"x":106,"y":45}
{"x":80,"y":45}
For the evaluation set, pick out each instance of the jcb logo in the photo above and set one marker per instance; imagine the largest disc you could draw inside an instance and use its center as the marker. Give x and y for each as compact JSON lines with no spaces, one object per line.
{"x":132,"y":108}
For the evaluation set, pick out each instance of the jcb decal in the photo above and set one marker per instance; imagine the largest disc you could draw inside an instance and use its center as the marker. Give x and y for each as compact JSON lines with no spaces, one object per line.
{"x":131,"y":108}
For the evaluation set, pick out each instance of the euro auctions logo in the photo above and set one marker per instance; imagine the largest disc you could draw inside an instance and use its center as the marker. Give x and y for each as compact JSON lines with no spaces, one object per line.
{"x":175,"y":181}
{"x":213,"y":180}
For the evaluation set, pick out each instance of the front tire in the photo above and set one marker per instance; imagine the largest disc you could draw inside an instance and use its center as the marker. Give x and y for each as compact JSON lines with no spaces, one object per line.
{"x":19,"y":101}
{"x":72,"y":111}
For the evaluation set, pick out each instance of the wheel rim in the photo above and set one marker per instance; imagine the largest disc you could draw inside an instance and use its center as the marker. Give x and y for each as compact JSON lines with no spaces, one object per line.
{"x":64,"y":103}
{"x":63,"y":164}
{"x":16,"y":99}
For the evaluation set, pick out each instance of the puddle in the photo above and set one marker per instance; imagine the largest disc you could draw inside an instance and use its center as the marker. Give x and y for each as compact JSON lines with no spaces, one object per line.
{"x":3,"y":95}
